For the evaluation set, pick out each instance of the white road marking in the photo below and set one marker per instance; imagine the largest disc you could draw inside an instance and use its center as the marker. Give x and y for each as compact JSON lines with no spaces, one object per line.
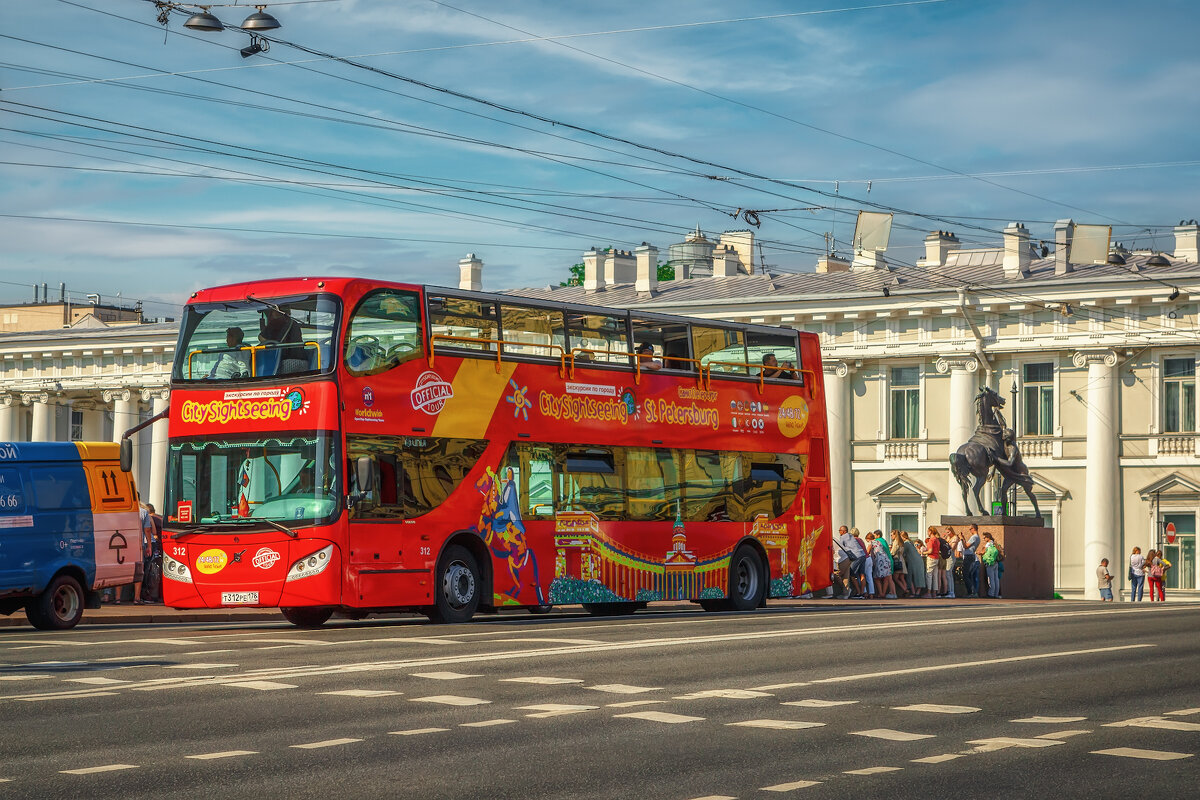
{"x":443,"y":676}
{"x":1005,"y":742}
{"x":95,"y":681}
{"x":202,"y":653}
{"x":278,"y":646}
{"x":1132,"y":752}
{"x":621,"y":688}
{"x":487,"y":723}
{"x":544,"y":710}
{"x":772,"y":687}
{"x":223,"y":754}
{"x":777,"y":724}
{"x":542,"y":681}
{"x":935,"y":708}
{"x":1050,"y":720}
{"x":633,"y":703}
{"x":91,"y":770}
{"x":944,"y":757}
{"x":1183,"y":713}
{"x":451,"y":700}
{"x":26,"y":677}
{"x":417,"y":731}
{"x":201,"y":666}
{"x":1156,"y":722}
{"x":715,"y":797}
{"x":326,"y":743}
{"x":547,"y":639}
{"x":262,"y":686}
{"x":872,"y":770}
{"x":728,"y":694}
{"x":813,"y":703}
{"x":6,"y":780}
{"x":361,"y":693}
{"x":1062,"y":734}
{"x":790,"y":787}
{"x":180,"y":642}
{"x":660,"y":716}
{"x":66,"y":696}
{"x":891,"y":735}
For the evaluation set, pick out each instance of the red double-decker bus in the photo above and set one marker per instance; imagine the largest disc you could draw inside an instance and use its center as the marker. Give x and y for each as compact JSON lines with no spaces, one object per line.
{"x":354,"y":446}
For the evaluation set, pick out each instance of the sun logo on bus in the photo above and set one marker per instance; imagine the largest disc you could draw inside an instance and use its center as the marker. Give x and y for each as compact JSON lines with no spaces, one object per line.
{"x":521,"y":403}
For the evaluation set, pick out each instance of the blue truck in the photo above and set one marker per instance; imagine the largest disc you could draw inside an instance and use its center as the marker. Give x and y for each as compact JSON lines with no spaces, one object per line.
{"x":70,"y":526}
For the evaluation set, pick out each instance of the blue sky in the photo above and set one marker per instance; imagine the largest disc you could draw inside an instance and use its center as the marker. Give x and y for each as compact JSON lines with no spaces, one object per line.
{"x":1081,"y":109}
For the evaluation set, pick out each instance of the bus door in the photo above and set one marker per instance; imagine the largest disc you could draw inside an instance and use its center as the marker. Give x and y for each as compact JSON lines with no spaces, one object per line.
{"x":117,"y":538}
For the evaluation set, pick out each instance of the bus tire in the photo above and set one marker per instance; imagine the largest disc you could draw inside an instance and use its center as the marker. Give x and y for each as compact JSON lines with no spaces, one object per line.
{"x":457,"y":586}
{"x":542,"y":609}
{"x":612,"y":609}
{"x":714,"y":605}
{"x":59,"y":607}
{"x":307,"y":617}
{"x":747,"y":582}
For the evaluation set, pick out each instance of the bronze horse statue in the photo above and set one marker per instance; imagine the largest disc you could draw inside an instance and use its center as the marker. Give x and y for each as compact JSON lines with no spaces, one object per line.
{"x":979,"y":454}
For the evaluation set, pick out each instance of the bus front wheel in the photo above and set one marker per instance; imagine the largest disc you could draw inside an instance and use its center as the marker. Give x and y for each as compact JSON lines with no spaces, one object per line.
{"x":747,"y":584}
{"x":309,"y":617}
{"x":457,"y":587}
{"x":59,"y":607}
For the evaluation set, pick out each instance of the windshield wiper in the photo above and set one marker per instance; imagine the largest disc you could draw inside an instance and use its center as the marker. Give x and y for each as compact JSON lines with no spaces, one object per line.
{"x":276,"y":526}
{"x":237,"y":521}
{"x":266,"y":303}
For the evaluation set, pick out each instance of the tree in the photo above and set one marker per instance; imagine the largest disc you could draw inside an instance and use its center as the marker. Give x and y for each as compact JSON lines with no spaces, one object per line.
{"x":576,"y":278}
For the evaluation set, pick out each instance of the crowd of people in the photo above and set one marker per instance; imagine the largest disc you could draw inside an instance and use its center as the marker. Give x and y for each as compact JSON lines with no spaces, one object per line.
{"x":1147,"y":570}
{"x":905,"y":566}
{"x":147,"y":588}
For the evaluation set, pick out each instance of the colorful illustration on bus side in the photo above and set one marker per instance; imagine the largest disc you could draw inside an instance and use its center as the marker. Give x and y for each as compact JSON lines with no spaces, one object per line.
{"x":243,"y":482}
{"x":503,"y":532}
{"x":430,"y":393}
{"x":808,"y":541}
{"x":520,"y":400}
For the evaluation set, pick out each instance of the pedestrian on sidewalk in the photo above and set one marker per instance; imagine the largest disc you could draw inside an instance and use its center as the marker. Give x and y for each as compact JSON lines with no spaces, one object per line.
{"x":917,"y":585}
{"x":934,"y":566}
{"x":1137,"y":575}
{"x":850,"y":564}
{"x":1156,"y":570}
{"x":1104,"y":581}
{"x":900,"y":569}
{"x":991,"y":563}
{"x":971,"y":561}
{"x":950,"y":546}
{"x":868,"y":573}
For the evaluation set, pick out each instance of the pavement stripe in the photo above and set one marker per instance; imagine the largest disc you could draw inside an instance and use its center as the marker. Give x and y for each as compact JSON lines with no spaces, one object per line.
{"x":542,"y":681}
{"x":544,"y":710}
{"x":727,"y":694}
{"x":23,"y":677}
{"x":891,"y":735}
{"x":1005,"y":742}
{"x":813,"y":703}
{"x":1156,"y":722}
{"x":1132,"y":752}
{"x":451,"y":700}
{"x":1050,"y":720}
{"x":1183,"y":713}
{"x":200,"y":666}
{"x":443,"y":676}
{"x":91,"y":770}
{"x":487,"y":723}
{"x":326,"y":743}
{"x":660,"y":716}
{"x":417,"y":731}
{"x":67,"y":696}
{"x":790,"y":787}
{"x":262,"y":686}
{"x":934,"y":708}
{"x":944,"y":757}
{"x":361,"y":693}
{"x":633,"y":703}
{"x":1062,"y":734}
{"x":715,"y":797}
{"x":223,"y":754}
{"x":778,"y":724}
{"x":621,"y":688}
{"x":872,"y":770}
{"x":95,"y":681}
{"x":772,"y":687}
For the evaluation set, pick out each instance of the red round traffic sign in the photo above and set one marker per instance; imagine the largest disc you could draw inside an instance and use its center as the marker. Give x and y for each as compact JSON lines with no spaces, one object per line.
{"x":1170,"y":533}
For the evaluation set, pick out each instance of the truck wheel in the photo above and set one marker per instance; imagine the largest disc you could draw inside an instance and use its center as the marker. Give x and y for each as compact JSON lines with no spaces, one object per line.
{"x":747,"y":586}
{"x":59,"y":607}
{"x":457,"y":586}
{"x":309,"y":617}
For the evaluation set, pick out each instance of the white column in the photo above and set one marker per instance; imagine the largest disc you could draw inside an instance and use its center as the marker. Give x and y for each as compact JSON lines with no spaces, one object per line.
{"x":1101,"y":538}
{"x":93,"y":421}
{"x":963,"y":388}
{"x":42,"y":426}
{"x":841,"y":431}
{"x":158,"y":450}
{"x":8,"y":416}
{"x":125,"y":416}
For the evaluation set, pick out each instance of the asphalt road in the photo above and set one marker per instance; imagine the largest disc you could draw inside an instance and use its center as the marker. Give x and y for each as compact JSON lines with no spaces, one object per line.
{"x":1022,"y":700}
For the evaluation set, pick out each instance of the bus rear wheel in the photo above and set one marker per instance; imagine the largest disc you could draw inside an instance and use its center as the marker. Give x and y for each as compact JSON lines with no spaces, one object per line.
{"x":747,"y":584}
{"x":59,"y":607}
{"x":457,"y":588}
{"x":307,"y":617}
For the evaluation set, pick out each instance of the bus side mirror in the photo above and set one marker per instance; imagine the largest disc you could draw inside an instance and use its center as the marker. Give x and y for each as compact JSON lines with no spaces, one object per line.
{"x":126,"y":455}
{"x":365,"y":474}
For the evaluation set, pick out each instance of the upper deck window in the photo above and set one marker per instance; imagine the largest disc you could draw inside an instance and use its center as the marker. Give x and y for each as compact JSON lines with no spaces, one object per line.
{"x":778,"y":353}
{"x":720,"y":349}
{"x":257,"y":338}
{"x":599,"y":338}
{"x":532,"y":331}
{"x":384,"y":331}
{"x":462,"y":323}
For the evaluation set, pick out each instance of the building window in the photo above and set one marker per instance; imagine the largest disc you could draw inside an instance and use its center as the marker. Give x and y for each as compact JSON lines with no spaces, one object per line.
{"x":908,"y":522}
{"x":76,"y":426}
{"x":1181,"y":552}
{"x":906,"y":402}
{"x":1179,"y":395}
{"x":1039,"y":399}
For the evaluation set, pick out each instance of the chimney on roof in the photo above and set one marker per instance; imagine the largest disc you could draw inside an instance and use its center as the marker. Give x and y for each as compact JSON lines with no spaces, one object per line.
{"x":647,"y":268}
{"x":831,"y":263}
{"x":867,"y":260}
{"x":938,"y":246}
{"x":743,"y":243}
{"x":1064,"y":231}
{"x":593,"y":271}
{"x":1187,"y":240}
{"x":621,"y":267}
{"x":470,"y":273}
{"x":725,"y":261}
{"x":1016,"y":251}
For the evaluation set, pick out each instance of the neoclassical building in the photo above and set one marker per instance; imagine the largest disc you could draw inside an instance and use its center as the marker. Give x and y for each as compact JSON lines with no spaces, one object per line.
{"x":1100,"y":358}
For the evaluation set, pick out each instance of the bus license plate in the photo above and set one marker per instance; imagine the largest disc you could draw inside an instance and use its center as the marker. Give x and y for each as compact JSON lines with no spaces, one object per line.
{"x":238,"y":598}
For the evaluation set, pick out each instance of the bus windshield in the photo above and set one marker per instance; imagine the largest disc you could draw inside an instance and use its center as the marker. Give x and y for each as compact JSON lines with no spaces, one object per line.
{"x":289,"y":479}
{"x":257,"y":338}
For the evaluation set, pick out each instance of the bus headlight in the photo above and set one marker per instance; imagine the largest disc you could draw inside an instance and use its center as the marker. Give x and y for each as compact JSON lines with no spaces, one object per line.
{"x":313,"y":564}
{"x":176,"y":570}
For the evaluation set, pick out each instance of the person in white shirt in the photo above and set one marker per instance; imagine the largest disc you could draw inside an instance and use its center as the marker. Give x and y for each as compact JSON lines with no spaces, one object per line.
{"x":1137,"y":574}
{"x":235,"y":362}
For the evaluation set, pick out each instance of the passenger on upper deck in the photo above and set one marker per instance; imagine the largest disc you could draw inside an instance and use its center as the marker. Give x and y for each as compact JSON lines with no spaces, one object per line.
{"x":277,"y":327}
{"x":645,"y":354}
{"x":771,"y":368}
{"x":234,"y":363}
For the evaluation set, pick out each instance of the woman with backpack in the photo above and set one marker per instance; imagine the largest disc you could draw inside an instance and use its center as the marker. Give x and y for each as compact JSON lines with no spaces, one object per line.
{"x":1137,"y":575}
{"x":949,"y":543}
{"x":934,"y":565}
{"x":900,"y":569}
{"x":991,"y":562}
{"x":1156,"y":569}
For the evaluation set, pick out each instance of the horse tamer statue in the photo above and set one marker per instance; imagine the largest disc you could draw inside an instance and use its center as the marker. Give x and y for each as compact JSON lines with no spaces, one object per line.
{"x":993,"y":445}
